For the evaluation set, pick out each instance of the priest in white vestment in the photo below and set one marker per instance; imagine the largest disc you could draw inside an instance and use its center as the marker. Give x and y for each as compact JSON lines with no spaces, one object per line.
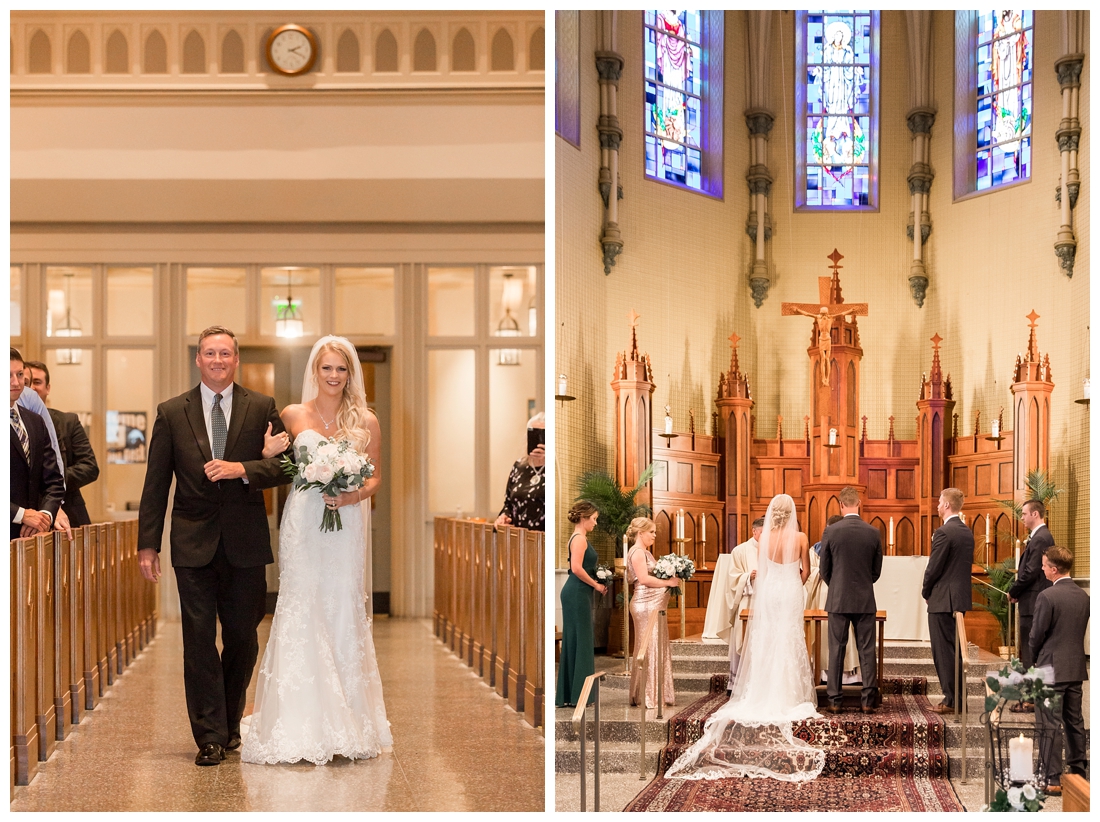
{"x":739,"y":592}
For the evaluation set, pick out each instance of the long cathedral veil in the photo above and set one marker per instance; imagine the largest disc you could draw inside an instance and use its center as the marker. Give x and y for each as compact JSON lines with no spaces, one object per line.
{"x":355,"y":381}
{"x":752,"y":734}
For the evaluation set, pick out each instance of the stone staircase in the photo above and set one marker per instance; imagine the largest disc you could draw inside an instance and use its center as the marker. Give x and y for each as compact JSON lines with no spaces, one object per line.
{"x":693,"y":664}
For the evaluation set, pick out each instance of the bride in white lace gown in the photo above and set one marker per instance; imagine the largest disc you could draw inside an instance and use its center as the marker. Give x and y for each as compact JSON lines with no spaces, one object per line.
{"x":319,"y":694}
{"x":751,"y":735}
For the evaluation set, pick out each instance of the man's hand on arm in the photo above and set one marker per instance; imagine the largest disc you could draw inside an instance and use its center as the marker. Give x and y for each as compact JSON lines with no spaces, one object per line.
{"x":216,"y":470}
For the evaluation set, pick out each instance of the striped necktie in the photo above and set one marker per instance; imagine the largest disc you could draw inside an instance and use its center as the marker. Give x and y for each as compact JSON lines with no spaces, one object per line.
{"x":217,"y":428}
{"x":21,"y":432}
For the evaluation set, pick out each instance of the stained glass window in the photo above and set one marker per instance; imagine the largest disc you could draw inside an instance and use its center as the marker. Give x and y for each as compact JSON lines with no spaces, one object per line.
{"x":1004,"y":97}
{"x":837,"y":101}
{"x":674,"y":97}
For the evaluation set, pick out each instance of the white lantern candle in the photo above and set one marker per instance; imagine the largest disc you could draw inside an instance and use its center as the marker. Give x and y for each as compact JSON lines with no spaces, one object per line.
{"x":1019,"y":759}
{"x":668,"y":424}
{"x":832,"y":436}
{"x":1087,"y":388}
{"x":996,"y":428}
{"x":561,"y":385}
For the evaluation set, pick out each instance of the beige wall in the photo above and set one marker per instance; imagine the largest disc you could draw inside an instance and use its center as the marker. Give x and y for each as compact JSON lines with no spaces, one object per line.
{"x":686,"y":256}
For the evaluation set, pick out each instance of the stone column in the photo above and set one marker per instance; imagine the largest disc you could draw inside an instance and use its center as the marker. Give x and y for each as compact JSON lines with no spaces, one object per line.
{"x":609,"y":65}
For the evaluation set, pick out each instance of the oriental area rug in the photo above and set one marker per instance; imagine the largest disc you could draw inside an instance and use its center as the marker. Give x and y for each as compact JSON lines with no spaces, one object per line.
{"x":894,"y":760}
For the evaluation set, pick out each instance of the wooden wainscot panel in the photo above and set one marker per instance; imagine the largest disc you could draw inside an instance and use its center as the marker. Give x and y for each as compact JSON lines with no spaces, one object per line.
{"x":105,"y":630}
{"x":62,"y":620}
{"x":765,"y":483}
{"x":907,"y":485}
{"x":481,"y":594}
{"x":960,"y":478}
{"x":514,"y":673}
{"x":93,"y":688}
{"x":708,"y":480}
{"x":685,"y":480}
{"x":1004,"y":479}
{"x":983,"y":480}
{"x":876,"y":483}
{"x":501,"y":592}
{"x":24,"y":671}
{"x":660,"y":475}
{"x":792,"y":482}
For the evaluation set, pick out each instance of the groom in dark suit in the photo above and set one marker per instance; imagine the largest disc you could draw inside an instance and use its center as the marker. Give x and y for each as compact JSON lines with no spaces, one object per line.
{"x":1030,"y":579}
{"x":211,"y":440}
{"x":851,"y":562}
{"x":947,"y":590}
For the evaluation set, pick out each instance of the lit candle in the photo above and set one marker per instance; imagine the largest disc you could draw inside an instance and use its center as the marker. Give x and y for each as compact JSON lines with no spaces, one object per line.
{"x":703,"y":529}
{"x":987,"y":529}
{"x":624,"y":545}
{"x":1087,"y":388}
{"x":1019,"y":759}
{"x":832,"y":436}
{"x":891,"y":530}
{"x":561,"y":385}
{"x":996,"y":428}
{"x":680,"y":524}
{"x":668,"y":424}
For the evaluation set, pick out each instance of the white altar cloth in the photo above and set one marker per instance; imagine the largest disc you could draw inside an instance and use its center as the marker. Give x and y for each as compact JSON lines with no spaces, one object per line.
{"x":718,"y":610}
{"x":897,"y":592}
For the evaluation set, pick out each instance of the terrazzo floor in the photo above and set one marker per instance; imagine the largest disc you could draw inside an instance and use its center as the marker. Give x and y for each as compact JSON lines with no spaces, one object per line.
{"x":457,"y":745}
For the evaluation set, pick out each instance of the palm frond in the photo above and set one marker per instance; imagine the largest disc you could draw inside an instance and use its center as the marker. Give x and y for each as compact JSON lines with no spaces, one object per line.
{"x":1040,"y":486}
{"x":616,"y":506}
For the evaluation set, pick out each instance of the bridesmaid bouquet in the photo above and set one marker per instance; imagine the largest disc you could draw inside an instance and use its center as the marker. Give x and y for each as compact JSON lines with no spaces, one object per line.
{"x":674,"y":565}
{"x":604,"y":574}
{"x":335,"y":467}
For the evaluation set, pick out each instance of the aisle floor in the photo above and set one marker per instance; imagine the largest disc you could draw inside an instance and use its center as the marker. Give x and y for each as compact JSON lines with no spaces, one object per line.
{"x":457,"y":745}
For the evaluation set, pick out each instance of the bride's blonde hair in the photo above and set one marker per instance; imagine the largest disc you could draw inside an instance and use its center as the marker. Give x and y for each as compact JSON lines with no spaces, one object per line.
{"x":352,"y":415}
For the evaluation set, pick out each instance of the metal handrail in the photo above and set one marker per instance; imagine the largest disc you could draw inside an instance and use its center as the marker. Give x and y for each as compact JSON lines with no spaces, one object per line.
{"x":1013,"y":620}
{"x":590,"y":681}
{"x":642,"y":646}
{"x":962,"y":674}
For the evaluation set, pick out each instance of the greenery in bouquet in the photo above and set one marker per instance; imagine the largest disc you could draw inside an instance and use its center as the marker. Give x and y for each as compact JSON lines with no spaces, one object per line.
{"x":1025,"y":798}
{"x":333,"y":468}
{"x":1012,"y":683}
{"x":674,"y":565}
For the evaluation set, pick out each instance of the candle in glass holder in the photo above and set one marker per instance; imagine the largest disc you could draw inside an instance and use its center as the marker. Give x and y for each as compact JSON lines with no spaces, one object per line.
{"x":1019,"y":759}
{"x":996,"y":428}
{"x":832,"y":436}
{"x":561,"y":385}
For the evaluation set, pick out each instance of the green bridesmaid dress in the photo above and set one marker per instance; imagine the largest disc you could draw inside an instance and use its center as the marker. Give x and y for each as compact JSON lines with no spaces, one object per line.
{"x":578,"y":657}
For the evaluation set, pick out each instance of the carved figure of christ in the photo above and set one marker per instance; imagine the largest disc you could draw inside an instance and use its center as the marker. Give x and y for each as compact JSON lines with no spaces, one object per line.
{"x":823,"y":318}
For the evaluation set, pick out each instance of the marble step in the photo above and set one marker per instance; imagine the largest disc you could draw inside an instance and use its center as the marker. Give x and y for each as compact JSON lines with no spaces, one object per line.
{"x":615,"y":757}
{"x":686,"y":682}
{"x":615,"y":730}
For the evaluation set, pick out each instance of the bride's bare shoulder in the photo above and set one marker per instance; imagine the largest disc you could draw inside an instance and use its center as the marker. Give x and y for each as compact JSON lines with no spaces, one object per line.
{"x":295,"y":418}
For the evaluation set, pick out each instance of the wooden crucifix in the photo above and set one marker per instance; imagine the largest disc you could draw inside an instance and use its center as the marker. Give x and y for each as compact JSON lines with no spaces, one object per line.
{"x":830,"y":306}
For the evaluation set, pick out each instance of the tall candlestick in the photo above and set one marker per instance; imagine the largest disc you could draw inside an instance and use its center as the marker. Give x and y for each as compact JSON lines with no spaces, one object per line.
{"x":561,"y":385}
{"x":1020,"y":768}
{"x":680,"y":524}
{"x":832,"y":436}
{"x":987,"y":529}
{"x":624,"y":545}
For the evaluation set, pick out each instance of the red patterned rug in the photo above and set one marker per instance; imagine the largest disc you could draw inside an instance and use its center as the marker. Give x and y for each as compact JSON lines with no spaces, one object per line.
{"x":893,"y":760}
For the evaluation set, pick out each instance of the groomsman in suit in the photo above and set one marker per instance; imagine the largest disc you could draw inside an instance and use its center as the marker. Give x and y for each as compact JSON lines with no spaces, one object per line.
{"x":1030,"y":579}
{"x":947,"y":590}
{"x":1058,"y":639}
{"x":36,"y":484}
{"x":851,"y":562}
{"x":80,"y":463}
{"x":211,"y":440}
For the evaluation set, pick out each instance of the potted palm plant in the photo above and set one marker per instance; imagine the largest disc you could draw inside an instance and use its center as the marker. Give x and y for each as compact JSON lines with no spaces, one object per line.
{"x":617,"y":507}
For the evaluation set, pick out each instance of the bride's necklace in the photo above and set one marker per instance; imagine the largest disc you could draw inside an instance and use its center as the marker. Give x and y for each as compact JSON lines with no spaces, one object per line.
{"x":327,"y":425}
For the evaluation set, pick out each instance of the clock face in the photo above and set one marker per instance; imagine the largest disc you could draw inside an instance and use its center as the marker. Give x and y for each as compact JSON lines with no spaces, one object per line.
{"x":291,"y":50}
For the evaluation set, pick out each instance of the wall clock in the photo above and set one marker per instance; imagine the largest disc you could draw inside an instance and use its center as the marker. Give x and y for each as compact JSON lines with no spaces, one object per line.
{"x":291,"y":50}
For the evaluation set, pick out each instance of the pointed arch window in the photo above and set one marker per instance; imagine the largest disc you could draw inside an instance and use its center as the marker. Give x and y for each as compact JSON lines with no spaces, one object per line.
{"x":836,"y":110}
{"x":683,"y":98}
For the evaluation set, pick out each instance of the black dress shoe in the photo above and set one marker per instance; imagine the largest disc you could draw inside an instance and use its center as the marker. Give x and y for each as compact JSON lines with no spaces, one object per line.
{"x":234,"y":742}
{"x":868,"y":709}
{"x":210,"y":754}
{"x":833,"y":709}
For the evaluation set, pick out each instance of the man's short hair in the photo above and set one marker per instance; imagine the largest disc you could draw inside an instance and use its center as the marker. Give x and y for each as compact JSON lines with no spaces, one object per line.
{"x":758,"y":523}
{"x":954,"y":499}
{"x":1036,"y":506}
{"x":833,"y":519}
{"x":41,"y":366}
{"x":15,"y":355}
{"x":220,"y":329}
{"x":849,"y":497}
{"x":1060,"y":558}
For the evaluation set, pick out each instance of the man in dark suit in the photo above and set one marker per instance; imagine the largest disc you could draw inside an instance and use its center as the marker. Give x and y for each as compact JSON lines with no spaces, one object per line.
{"x":947,"y":589}
{"x":851,"y":561}
{"x":79,"y":459}
{"x":36,"y":484}
{"x":1030,"y":579}
{"x":211,"y":439}
{"x":1058,"y":639}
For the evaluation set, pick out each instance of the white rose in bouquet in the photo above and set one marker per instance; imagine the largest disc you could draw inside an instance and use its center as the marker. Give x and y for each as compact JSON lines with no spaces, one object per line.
{"x":310,"y":472}
{"x":325,"y":473}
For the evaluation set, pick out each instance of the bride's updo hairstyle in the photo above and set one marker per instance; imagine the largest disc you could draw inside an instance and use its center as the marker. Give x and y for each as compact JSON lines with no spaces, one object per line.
{"x":639,"y":525}
{"x":781,"y":513}
{"x":582,"y":509}
{"x":352,"y":415}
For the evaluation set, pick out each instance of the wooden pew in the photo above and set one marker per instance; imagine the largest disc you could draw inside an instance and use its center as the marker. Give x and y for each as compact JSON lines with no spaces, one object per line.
{"x":93,"y":687}
{"x":24,"y":650}
{"x":62,"y":620}
{"x":534,"y":587}
{"x":1075,"y":793}
{"x":76,"y":683}
{"x":44,"y":715}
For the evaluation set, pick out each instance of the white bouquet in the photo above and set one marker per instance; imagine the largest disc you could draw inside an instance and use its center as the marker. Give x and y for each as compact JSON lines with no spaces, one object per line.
{"x":604,"y":574}
{"x":334,"y":467}
{"x":674,"y":565}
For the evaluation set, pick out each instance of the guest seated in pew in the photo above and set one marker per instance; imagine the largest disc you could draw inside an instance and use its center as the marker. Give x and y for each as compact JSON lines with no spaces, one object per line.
{"x":525,"y":495}
{"x":79,"y":459}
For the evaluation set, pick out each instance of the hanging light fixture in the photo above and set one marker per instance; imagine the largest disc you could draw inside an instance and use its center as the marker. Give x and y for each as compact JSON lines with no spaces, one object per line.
{"x":288,"y":314}
{"x":507,"y":327}
{"x":69,"y":328}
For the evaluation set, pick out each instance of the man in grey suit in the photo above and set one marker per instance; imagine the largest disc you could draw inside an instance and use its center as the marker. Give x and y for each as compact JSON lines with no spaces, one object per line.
{"x":1030,"y":580}
{"x":947,"y":589}
{"x":1058,"y":639}
{"x":851,"y":561}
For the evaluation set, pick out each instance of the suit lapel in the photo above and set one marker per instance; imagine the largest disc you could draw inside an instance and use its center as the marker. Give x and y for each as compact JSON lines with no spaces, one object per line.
{"x":236,"y":418}
{"x":198,"y":423}
{"x":16,"y":445}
